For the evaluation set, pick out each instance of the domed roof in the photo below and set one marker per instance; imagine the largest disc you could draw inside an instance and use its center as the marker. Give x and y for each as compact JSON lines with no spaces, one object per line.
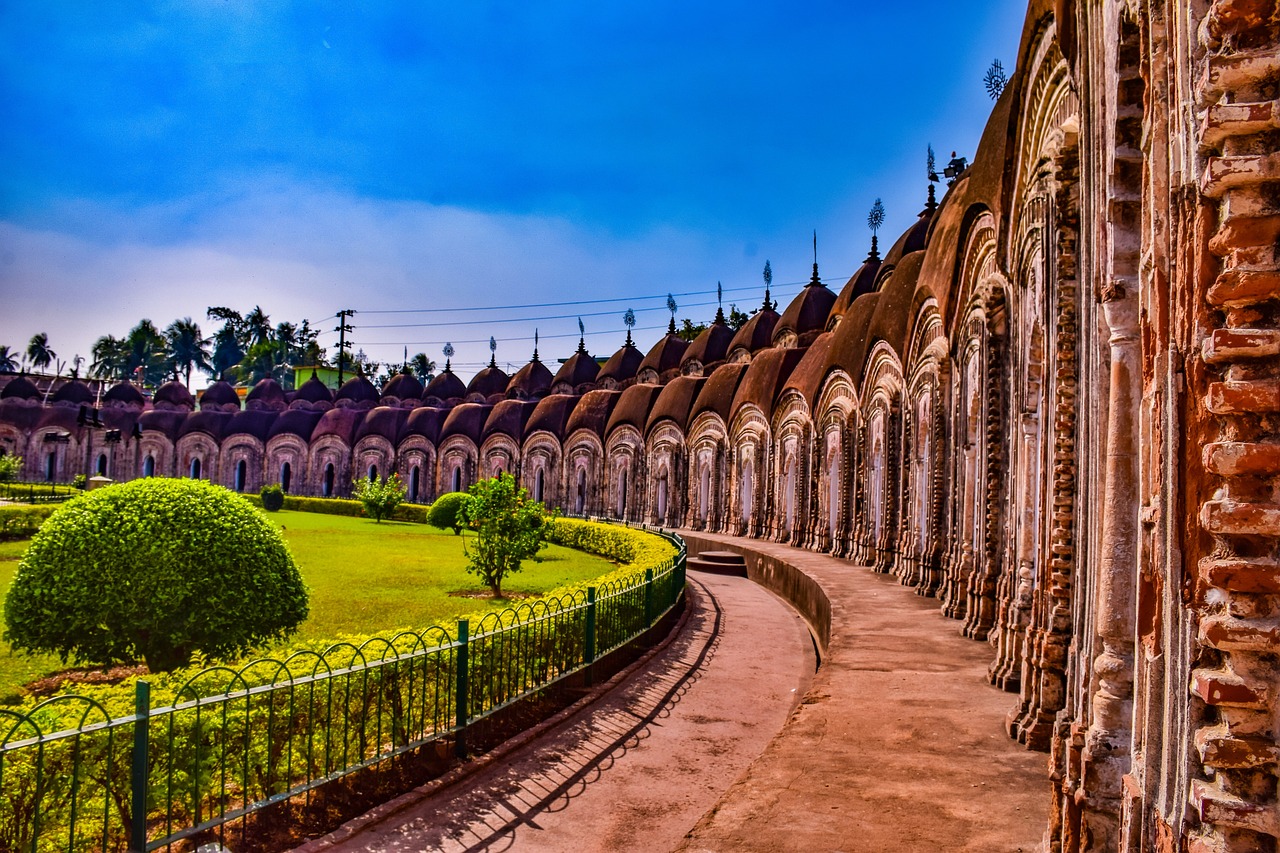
{"x":123,"y":394}
{"x":64,"y":417}
{"x":219,"y":394}
{"x":508,"y":418}
{"x":424,"y":421}
{"x":850,"y":341}
{"x":20,"y":388}
{"x":710,"y":347}
{"x":73,"y":393}
{"x":340,"y":423}
{"x":489,"y":385}
{"x":764,"y":378}
{"x":357,"y":393}
{"x":313,"y":391}
{"x":756,"y":333}
{"x":19,"y":413}
{"x":806,"y":316}
{"x":578,"y":374}
{"x":267,"y":395}
{"x":675,"y":401}
{"x":633,"y":407}
{"x":592,"y":411}
{"x":465,"y":419}
{"x":552,"y":413}
{"x":717,"y":394}
{"x":809,"y":374}
{"x":256,"y":422}
{"x":384,"y":422}
{"x":403,"y":386}
{"x":862,"y":281}
{"x":212,"y":424}
{"x":167,"y":423}
{"x":173,"y":395}
{"x":621,"y":367}
{"x":445,"y":387}
{"x":532,"y":381}
{"x":299,"y":422}
{"x":663,"y":360}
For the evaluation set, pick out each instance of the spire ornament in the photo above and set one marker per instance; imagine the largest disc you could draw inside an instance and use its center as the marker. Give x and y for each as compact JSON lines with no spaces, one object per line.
{"x":874,"y":220}
{"x":535,"y":345}
{"x":448,"y":355}
{"x":768,"y":280}
{"x":931,"y":172}
{"x":493,"y":352}
{"x":582,"y":336}
{"x":814,"y":280}
{"x":719,"y":304}
{"x":671,"y":306}
{"x":629,"y":320}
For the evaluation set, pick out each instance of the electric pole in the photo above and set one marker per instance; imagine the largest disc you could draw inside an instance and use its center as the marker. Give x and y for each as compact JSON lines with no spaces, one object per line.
{"x":343,"y":343}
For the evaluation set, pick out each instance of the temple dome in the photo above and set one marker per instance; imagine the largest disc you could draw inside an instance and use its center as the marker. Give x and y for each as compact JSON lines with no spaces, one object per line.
{"x":173,"y":396}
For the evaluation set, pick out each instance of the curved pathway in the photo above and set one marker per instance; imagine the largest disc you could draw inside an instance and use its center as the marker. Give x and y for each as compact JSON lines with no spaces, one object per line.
{"x":636,"y":769}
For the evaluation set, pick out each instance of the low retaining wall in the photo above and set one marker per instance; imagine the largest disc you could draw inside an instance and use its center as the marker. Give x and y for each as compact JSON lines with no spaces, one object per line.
{"x":783,"y":579}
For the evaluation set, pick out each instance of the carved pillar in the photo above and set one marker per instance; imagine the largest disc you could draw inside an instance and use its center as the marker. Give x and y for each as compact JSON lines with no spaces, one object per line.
{"x":1107,"y":742}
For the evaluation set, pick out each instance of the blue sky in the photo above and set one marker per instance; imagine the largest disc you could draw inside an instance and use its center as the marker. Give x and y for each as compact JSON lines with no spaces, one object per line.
{"x":164,"y":157}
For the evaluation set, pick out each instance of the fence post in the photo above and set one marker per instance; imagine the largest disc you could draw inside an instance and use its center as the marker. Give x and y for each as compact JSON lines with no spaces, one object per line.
{"x":648,"y":598}
{"x":461,"y":689}
{"x":140,"y":776}
{"x":589,"y":652}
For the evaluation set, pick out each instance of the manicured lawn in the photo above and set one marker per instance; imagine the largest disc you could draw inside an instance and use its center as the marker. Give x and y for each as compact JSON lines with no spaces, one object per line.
{"x":364,"y":578}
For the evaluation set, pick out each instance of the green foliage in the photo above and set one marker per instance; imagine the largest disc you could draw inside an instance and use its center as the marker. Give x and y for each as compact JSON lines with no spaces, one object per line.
{"x":10,"y":467}
{"x":272,"y":497}
{"x":22,"y":522}
{"x":510,"y":528}
{"x":446,"y":512}
{"x":379,"y":497}
{"x":79,"y":481}
{"x":157,"y":569}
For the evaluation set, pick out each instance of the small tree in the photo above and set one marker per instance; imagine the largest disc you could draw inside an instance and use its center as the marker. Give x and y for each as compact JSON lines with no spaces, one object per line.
{"x":156,"y":569}
{"x":380,"y":497}
{"x":272,"y":497}
{"x":10,"y":467}
{"x":510,"y":527}
{"x":445,"y":513}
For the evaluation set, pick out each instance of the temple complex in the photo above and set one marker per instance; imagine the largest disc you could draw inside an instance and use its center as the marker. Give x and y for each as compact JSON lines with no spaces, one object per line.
{"x":1052,"y":406}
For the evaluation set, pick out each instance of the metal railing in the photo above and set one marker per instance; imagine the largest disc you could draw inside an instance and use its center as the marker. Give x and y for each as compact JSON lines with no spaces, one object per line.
{"x":232,"y":742}
{"x":36,"y":493}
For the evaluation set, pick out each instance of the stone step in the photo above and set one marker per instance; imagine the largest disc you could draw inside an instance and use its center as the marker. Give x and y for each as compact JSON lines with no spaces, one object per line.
{"x":719,"y":563}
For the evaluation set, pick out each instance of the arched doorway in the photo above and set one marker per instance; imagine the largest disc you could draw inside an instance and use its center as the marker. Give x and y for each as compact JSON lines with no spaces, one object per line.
{"x":195,"y":469}
{"x":328,"y":481}
{"x":286,"y":475}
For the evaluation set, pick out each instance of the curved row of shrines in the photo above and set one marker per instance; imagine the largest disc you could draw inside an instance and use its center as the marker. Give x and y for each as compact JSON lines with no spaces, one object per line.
{"x":1050,"y":405}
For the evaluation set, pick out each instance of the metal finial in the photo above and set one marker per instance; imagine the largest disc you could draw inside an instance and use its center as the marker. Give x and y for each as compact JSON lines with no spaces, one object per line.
{"x":448,"y":354}
{"x":876,"y":217}
{"x":493,"y":352}
{"x":931,"y":165}
{"x":815,"y":280}
{"x":671,"y":306}
{"x":719,"y":304}
{"x":768,"y":280}
{"x":995,"y":79}
{"x":582,"y":335}
{"x":535,"y":344}
{"x":629,"y":320}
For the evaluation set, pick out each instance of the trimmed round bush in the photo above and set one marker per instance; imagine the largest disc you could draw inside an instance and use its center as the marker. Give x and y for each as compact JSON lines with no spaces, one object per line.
{"x":272,"y":497}
{"x":155,"y":569}
{"x":444,"y":512}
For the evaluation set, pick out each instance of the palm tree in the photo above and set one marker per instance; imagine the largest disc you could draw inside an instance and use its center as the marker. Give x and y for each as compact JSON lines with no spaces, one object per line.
{"x":146,"y":351}
{"x":109,"y":358}
{"x":38,"y":351}
{"x":258,"y":326}
{"x":422,"y":367}
{"x":8,"y":362}
{"x":188,"y":348}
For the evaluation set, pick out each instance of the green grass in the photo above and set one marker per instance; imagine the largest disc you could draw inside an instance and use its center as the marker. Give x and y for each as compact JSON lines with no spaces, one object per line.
{"x":364,"y":578}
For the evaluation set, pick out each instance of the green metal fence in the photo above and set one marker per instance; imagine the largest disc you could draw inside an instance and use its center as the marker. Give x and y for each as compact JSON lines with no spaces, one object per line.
{"x":36,"y":493}
{"x":273,"y":732}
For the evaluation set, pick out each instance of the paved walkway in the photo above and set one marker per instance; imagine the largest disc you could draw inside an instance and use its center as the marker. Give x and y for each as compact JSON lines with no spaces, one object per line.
{"x":635,"y":770}
{"x":897,"y":744}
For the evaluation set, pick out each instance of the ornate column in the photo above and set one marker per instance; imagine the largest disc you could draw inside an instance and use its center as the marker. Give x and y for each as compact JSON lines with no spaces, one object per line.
{"x":1107,"y":741}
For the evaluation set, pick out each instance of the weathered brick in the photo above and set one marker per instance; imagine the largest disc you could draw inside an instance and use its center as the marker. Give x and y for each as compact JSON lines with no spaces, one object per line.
{"x":1237,"y":287}
{"x":1216,"y":806}
{"x":1225,"y":173}
{"x":1241,"y":458}
{"x":1226,"y":345}
{"x":1240,"y":519}
{"x":1242,"y":232}
{"x":1217,"y":687}
{"x":1220,"y":749}
{"x":1225,"y":632}
{"x":1236,"y":397}
{"x":1242,"y":575}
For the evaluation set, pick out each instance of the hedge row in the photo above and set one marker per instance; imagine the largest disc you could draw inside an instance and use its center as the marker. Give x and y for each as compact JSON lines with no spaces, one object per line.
{"x":22,"y":521}
{"x":415,"y":513}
